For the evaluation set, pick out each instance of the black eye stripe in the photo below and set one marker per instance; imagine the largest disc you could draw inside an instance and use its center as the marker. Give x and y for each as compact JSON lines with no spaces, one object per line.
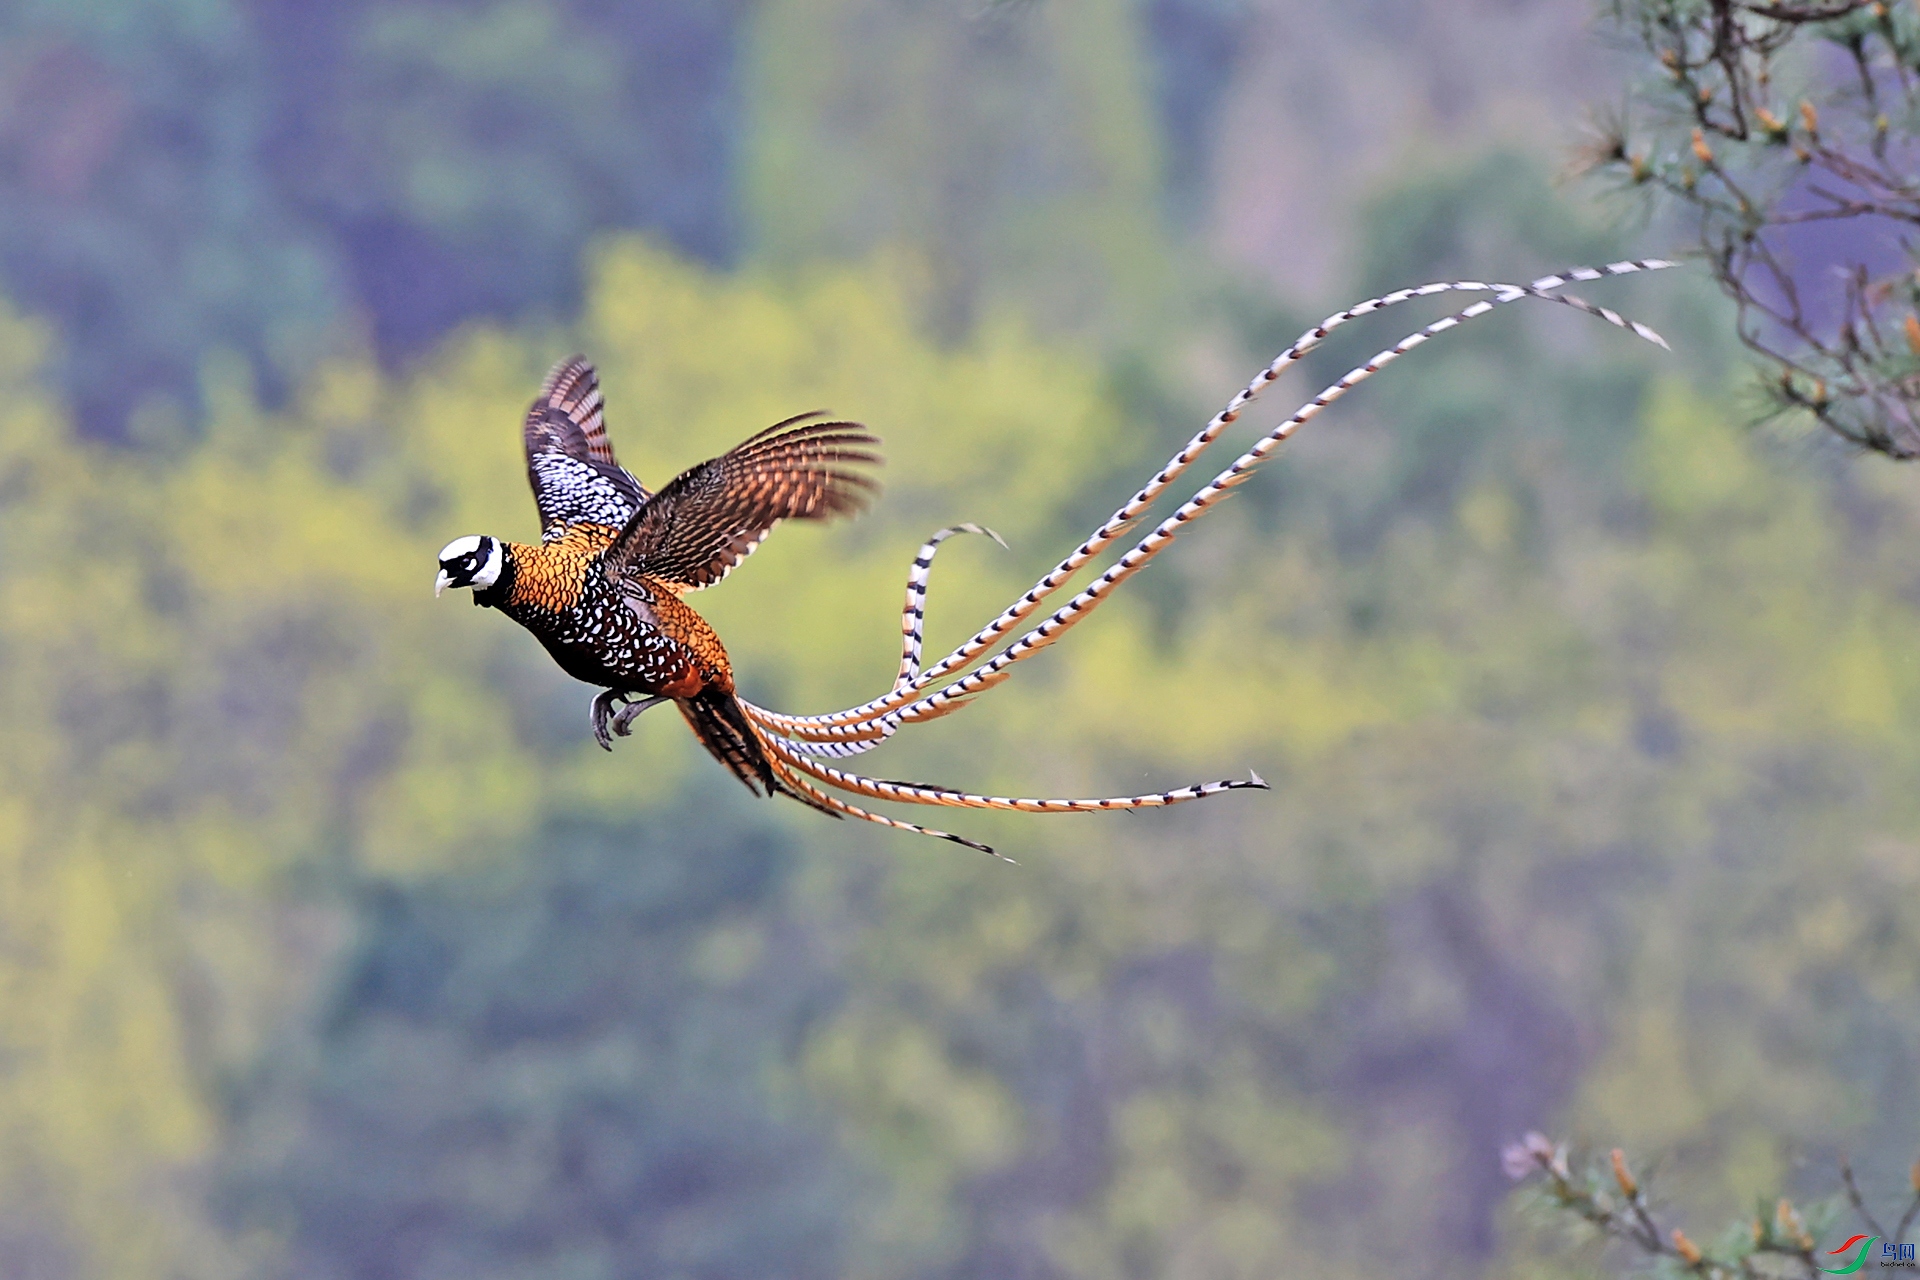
{"x":466,"y":566}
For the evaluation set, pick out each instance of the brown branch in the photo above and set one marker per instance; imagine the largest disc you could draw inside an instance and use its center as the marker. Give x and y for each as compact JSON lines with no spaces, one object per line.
{"x":1859,"y":1202}
{"x":1798,"y":15}
{"x":1740,"y":161}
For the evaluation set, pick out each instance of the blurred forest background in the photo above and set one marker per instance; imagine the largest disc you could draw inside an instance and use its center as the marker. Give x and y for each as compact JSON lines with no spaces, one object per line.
{"x":330,"y":946}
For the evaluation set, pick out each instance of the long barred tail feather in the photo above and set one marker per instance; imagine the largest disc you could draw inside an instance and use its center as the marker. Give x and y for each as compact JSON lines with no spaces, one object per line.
{"x":810,"y":727}
{"x":1083,"y":604}
{"x":912,"y":628}
{"x":773,"y":749}
{"x":797,"y":786}
{"x":896,"y":708}
{"x":913,"y":617}
{"x":923,"y":793}
{"x":832,"y":750}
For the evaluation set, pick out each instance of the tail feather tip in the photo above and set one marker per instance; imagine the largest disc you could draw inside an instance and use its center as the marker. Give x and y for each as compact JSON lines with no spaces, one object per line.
{"x":987,"y":849}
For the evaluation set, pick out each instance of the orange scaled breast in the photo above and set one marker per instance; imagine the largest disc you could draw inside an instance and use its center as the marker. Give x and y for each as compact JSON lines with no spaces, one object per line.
{"x":553,"y":575}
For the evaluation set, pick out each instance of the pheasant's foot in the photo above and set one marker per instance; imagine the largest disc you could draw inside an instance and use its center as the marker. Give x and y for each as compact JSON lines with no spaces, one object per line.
{"x":624,"y":718}
{"x":602,"y":708}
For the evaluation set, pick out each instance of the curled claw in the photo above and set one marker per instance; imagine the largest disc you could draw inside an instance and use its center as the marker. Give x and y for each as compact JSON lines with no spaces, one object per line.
{"x":607,"y":723}
{"x":602,"y":706}
{"x":624,"y":718}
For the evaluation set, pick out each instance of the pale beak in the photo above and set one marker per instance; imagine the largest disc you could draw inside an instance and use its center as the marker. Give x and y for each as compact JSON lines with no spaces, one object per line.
{"x":440,"y":584}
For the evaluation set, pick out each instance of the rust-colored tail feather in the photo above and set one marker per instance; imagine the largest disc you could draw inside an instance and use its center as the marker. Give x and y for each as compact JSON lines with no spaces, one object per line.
{"x":721,"y":725}
{"x":717,"y":720}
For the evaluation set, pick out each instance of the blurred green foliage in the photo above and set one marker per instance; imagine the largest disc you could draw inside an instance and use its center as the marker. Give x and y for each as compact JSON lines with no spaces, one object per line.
{"x":1588,"y":798}
{"x":1016,"y":152}
{"x":286,"y":180}
{"x":330,"y":946}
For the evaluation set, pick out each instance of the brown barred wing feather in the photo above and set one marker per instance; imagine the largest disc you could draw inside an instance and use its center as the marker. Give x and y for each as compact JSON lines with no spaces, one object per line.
{"x":712,"y":516}
{"x":570,"y":463}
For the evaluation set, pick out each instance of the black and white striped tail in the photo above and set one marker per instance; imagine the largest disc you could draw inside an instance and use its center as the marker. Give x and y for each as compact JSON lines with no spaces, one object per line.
{"x":902,"y":706}
{"x":924,"y":793}
{"x":914,"y":616}
{"x":789,"y":741}
{"x":815,"y":797}
{"x":831,"y":728}
{"x":912,"y":628}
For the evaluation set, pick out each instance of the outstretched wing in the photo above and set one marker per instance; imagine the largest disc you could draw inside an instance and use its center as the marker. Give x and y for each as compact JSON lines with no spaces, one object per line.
{"x":570,"y":461}
{"x":711,"y":517}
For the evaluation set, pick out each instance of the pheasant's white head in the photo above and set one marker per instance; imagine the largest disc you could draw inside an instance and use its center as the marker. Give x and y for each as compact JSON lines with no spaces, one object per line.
{"x":473,"y":561}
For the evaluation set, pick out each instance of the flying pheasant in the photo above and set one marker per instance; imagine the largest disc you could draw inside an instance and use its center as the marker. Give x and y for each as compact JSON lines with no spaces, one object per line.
{"x":601,"y":590}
